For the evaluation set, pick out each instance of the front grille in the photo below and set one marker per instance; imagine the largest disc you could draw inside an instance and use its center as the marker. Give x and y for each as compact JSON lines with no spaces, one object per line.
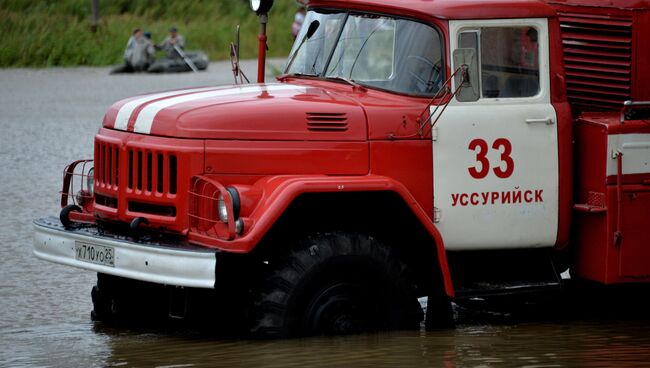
{"x":140,"y":176}
{"x":152,"y":172}
{"x":107,"y":165}
{"x":598,"y":59}
{"x":149,"y":171}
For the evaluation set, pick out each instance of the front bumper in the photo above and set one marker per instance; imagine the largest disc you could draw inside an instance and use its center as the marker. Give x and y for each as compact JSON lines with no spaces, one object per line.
{"x":152,"y":261}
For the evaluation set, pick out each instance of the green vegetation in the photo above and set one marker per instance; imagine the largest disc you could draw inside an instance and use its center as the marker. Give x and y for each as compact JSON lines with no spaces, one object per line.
{"x":58,"y":32}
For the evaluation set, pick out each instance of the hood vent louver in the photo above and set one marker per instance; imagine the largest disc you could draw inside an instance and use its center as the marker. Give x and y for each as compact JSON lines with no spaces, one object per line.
{"x":327,"y":122}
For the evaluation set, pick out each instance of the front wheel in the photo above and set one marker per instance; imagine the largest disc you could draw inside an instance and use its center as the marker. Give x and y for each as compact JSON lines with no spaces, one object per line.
{"x":117,"y":299}
{"x":333,"y":284}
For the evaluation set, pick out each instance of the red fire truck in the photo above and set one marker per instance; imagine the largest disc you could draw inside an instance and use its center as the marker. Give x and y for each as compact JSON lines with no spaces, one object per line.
{"x":412,"y":148}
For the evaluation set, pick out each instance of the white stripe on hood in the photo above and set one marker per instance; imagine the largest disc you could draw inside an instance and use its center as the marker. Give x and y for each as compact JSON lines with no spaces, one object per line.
{"x":146,"y":116}
{"x":125,"y":112}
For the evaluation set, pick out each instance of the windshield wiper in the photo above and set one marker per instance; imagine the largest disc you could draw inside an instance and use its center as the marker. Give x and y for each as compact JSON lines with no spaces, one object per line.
{"x":313,"y":27}
{"x":282,"y":77}
{"x":354,"y":84}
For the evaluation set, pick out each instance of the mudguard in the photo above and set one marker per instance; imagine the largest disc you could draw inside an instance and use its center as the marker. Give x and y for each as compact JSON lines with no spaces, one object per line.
{"x":274,"y":194}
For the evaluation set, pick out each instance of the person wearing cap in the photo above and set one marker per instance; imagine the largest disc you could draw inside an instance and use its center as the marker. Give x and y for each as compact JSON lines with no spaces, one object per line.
{"x":144,"y":53}
{"x":174,"y":39}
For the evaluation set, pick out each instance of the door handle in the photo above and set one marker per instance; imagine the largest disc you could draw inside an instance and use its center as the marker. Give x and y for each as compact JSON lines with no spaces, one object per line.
{"x":547,"y":121}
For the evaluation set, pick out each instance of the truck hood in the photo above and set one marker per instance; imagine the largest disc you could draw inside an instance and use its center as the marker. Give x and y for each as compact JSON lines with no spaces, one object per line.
{"x":277,"y":111}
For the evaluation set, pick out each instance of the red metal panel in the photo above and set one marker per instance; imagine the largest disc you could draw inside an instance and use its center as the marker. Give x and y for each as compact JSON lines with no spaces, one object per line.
{"x":247,"y":116}
{"x":606,"y":85}
{"x":286,"y":157}
{"x":635,"y":240}
{"x":598,"y":93}
{"x":641,"y":71}
{"x":621,"y":203}
{"x":590,"y":229}
{"x":606,"y":4}
{"x":585,"y":22}
{"x":598,"y":56}
{"x":622,"y":66}
{"x":410,"y":163}
{"x":565,"y":135}
{"x":279,"y":191}
{"x":447,"y":9}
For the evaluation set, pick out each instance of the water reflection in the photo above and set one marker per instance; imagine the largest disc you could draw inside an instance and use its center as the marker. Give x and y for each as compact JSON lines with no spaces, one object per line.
{"x":587,"y":344}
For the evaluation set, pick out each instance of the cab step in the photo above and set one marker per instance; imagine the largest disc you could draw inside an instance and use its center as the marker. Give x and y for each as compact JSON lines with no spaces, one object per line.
{"x":503,"y":273}
{"x":503,"y":289}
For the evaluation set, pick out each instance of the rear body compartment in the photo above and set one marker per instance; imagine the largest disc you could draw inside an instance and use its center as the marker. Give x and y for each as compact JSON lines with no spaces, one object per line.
{"x":612,"y":214}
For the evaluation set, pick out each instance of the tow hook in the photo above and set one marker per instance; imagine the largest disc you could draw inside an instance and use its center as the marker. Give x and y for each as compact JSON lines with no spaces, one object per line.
{"x":135,"y":225}
{"x":64,"y":215}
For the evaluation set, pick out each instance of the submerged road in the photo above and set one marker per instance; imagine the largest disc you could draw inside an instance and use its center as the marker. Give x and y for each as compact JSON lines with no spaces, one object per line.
{"x":48,"y":118}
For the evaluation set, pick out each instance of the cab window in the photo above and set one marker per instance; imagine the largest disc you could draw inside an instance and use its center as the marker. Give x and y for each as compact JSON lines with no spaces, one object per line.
{"x":508,"y":58}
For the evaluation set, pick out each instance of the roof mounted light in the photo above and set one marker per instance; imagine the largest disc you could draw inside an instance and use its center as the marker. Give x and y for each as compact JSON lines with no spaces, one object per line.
{"x":261,"y":6}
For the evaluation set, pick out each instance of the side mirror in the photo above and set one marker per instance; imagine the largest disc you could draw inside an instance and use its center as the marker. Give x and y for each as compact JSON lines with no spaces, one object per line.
{"x":261,"y":6}
{"x":313,"y":27}
{"x":466,"y":80}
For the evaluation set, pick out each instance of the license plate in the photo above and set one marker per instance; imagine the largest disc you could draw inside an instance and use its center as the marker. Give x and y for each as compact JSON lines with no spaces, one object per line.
{"x":93,"y":253}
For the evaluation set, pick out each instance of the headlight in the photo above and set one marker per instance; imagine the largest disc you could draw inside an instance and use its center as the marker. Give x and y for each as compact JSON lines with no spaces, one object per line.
{"x":222,"y":209}
{"x":90,"y":181}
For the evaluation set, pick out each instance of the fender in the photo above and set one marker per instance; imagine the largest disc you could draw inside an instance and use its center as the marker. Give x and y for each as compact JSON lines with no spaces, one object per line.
{"x":278,"y":192}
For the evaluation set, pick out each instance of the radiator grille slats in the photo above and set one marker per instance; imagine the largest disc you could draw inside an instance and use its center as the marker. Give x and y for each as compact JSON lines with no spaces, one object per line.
{"x":148,"y":171}
{"x":134,"y":179}
{"x":107,"y":158}
{"x":598,"y":59}
{"x":152,"y":172}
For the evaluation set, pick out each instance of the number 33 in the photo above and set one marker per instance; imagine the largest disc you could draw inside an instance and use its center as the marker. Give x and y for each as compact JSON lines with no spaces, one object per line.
{"x":484,"y":163}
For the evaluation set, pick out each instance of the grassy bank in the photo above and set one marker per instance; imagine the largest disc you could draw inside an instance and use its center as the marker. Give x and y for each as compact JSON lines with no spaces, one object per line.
{"x":57,"y":32}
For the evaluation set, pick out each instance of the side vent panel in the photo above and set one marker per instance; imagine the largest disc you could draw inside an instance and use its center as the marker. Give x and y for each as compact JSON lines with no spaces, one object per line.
{"x":598,"y":59}
{"x":327,"y":122}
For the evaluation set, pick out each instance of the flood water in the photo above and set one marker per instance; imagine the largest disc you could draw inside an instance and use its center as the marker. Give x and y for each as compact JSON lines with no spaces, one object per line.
{"x":48,"y":118}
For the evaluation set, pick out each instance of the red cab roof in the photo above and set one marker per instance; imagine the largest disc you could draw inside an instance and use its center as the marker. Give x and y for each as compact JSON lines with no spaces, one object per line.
{"x":618,"y":4}
{"x":448,"y":9}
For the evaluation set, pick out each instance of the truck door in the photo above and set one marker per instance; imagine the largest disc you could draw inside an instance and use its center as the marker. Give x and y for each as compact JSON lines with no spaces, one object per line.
{"x":496,"y":156}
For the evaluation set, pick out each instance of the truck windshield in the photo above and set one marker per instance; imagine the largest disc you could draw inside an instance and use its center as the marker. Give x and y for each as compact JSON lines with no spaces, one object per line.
{"x":393,"y":54}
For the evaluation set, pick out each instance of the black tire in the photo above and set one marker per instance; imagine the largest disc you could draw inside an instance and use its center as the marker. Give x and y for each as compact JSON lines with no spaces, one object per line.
{"x":104,"y":300}
{"x":116,"y":299}
{"x":332,"y":284}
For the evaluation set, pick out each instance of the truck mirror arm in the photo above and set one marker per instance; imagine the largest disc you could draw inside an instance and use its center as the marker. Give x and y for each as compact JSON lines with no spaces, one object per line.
{"x":444,"y":90}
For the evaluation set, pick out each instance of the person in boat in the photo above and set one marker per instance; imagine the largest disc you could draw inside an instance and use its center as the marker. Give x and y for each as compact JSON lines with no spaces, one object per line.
{"x":130,"y":44}
{"x":139,"y":53}
{"x":174,"y":39}
{"x":176,"y":59}
{"x":144,"y":53}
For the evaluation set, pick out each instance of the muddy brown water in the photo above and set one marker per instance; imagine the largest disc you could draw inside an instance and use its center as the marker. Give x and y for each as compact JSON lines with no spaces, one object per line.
{"x":48,"y":118}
